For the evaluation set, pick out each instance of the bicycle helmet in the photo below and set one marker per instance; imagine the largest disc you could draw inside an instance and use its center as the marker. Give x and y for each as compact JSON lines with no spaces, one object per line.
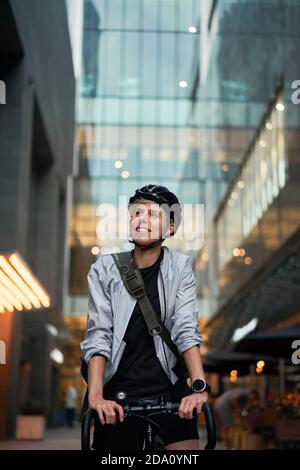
{"x":161,"y":195}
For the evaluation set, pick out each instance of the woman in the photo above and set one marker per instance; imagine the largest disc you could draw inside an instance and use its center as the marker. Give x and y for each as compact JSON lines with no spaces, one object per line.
{"x":121,"y":354}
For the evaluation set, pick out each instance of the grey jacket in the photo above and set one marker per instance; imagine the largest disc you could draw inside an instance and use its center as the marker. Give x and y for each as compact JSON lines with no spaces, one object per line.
{"x":110,"y":308}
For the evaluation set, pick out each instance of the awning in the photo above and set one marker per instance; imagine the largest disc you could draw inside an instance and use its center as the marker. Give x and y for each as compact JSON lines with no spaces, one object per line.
{"x":274,"y":342}
{"x":223,"y":361}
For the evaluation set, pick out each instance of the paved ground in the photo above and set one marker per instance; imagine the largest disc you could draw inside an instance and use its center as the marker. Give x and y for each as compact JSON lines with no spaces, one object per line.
{"x":55,"y":439}
{"x":202,"y":436}
{"x":63,"y":439}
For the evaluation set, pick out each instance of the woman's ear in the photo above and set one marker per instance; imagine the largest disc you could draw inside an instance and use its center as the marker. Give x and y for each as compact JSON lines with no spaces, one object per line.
{"x":171,"y":230}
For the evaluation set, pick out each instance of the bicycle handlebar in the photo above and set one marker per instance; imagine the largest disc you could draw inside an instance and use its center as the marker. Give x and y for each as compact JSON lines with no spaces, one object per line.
{"x":167,"y":407}
{"x":86,"y":429}
{"x":210,"y":427}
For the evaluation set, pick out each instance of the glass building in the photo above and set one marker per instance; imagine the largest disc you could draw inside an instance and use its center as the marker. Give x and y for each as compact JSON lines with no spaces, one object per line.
{"x":200,"y":96}
{"x":137,"y":89}
{"x":248,"y":102}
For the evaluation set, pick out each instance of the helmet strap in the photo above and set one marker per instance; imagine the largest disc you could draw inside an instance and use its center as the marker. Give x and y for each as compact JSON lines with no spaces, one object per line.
{"x":150,"y":245}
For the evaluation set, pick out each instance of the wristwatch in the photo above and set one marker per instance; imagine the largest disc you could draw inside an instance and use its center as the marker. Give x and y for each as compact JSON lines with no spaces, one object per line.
{"x":199,"y":385}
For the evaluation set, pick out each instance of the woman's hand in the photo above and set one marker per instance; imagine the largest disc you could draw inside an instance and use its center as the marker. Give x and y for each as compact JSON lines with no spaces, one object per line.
{"x":192,"y":402}
{"x":107,"y":410}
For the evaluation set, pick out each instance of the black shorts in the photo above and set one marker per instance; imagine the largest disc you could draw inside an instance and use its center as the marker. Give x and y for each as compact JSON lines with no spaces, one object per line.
{"x":128,"y":435}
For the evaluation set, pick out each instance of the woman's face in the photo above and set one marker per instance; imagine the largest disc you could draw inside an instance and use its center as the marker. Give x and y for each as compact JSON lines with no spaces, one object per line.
{"x":147,"y":220}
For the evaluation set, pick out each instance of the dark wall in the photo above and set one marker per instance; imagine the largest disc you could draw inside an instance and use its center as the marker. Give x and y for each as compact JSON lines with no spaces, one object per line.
{"x":36,"y":153}
{"x":42,"y":27}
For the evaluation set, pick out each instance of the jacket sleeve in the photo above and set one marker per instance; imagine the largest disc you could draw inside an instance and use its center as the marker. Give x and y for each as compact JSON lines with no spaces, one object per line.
{"x":99,"y":330}
{"x":184,"y":331}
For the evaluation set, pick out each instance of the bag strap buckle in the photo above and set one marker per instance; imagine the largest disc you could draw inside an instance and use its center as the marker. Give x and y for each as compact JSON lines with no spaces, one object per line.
{"x":155,"y":331}
{"x":138,"y":292}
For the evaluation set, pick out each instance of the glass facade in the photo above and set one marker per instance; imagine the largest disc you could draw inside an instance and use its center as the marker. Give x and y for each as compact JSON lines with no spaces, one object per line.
{"x":256,"y":185}
{"x":250,"y":127}
{"x":136,"y":93}
{"x":186,"y":94}
{"x":200,"y":96}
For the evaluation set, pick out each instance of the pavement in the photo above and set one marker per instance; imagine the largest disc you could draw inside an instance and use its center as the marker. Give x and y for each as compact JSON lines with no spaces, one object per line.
{"x":66,"y":439}
{"x":202,"y":437}
{"x":55,"y":439}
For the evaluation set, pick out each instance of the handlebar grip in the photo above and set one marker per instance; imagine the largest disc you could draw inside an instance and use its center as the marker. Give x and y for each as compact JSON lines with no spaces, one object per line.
{"x":85,"y":429}
{"x":210,"y":427}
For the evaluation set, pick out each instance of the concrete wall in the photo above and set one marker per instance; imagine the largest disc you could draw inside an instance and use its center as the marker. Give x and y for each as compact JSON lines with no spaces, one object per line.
{"x":43,"y":30}
{"x":36,"y":153}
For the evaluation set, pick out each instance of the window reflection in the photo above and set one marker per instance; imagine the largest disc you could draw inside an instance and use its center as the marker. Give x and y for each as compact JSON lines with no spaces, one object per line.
{"x":133,"y":118}
{"x":262,"y":177}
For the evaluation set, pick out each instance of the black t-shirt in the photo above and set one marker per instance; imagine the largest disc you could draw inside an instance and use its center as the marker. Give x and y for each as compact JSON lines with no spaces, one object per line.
{"x":140,"y":374}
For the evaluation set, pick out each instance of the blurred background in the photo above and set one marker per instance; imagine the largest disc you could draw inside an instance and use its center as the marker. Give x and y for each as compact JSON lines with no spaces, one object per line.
{"x":99,"y":97}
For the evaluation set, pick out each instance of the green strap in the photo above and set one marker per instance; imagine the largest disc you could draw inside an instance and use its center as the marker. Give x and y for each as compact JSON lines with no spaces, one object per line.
{"x":134,"y":283}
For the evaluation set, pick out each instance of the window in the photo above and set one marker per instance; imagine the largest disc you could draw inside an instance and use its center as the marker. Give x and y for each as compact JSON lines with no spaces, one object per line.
{"x":259,"y":182}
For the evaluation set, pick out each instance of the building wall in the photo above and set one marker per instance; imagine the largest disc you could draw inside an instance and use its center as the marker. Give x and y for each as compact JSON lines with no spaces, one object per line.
{"x":36,"y":152}
{"x":131,"y":108}
{"x":251,"y":60}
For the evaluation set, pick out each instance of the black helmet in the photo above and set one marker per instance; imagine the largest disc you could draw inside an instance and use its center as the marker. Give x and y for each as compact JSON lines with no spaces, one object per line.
{"x":161,"y":195}
{"x":155,"y":193}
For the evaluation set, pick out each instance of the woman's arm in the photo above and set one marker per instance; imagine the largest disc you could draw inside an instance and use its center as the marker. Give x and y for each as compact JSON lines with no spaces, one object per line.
{"x":195,"y":401}
{"x":106,"y":409}
{"x":193,"y":361}
{"x":185,"y":335}
{"x":99,"y":331}
{"x":97,"y":344}
{"x":184,"y":318}
{"x":96,"y":377}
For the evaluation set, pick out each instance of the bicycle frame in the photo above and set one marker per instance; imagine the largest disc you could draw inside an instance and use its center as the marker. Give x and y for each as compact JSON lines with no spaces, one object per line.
{"x":150,"y":409}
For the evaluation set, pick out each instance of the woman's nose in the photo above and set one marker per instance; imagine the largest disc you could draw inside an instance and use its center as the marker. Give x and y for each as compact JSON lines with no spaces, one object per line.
{"x":143,"y":219}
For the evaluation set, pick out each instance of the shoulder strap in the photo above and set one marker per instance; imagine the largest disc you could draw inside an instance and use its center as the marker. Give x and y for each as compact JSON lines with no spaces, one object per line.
{"x":134,"y":283}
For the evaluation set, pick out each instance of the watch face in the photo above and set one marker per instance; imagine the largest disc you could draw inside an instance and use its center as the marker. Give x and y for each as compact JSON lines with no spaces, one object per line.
{"x":198,"y":385}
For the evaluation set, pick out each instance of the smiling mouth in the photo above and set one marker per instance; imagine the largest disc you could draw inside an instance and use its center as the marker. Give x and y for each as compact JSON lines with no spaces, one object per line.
{"x":142,"y":230}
